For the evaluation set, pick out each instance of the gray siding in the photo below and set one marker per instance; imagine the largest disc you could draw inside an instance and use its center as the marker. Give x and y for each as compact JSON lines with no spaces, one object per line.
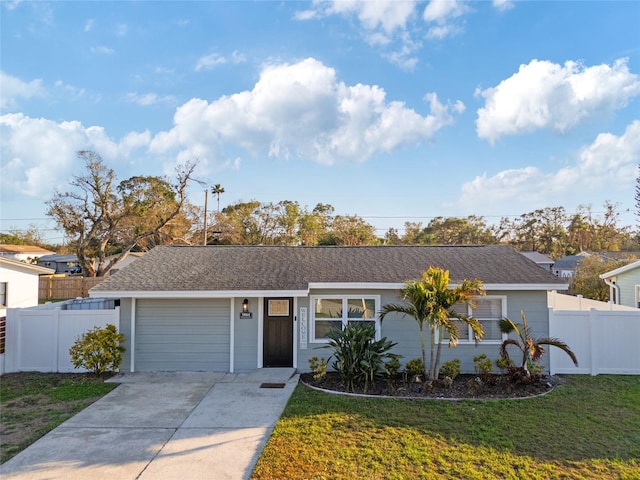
{"x":125,"y":328}
{"x":182,"y":335}
{"x":405,"y":331}
{"x":627,"y":282}
{"x":246,"y":336}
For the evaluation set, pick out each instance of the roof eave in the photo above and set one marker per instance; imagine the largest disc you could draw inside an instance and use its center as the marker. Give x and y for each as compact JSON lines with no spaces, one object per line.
{"x":620,"y":270}
{"x":303,"y":293}
{"x":196,"y":293}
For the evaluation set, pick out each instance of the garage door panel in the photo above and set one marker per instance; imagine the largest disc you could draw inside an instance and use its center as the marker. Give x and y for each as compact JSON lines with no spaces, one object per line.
{"x":187,"y":335}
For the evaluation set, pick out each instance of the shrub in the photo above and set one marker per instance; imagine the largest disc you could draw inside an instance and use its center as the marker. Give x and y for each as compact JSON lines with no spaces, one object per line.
{"x":483,"y":367}
{"x":414,"y":367}
{"x":392,"y":367}
{"x":504,"y":363}
{"x":358,"y":357}
{"x":318,"y":366}
{"x":98,"y":350}
{"x":450,"y":369}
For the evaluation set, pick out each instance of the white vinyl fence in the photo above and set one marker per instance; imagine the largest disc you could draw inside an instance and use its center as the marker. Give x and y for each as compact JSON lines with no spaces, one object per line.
{"x":39,"y":339}
{"x":604,"y":341}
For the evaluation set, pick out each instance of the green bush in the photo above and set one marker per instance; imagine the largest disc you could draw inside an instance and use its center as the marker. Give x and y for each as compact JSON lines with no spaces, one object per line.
{"x":414,"y":367}
{"x":98,"y":350}
{"x":392,"y":367}
{"x":359,"y":359}
{"x":318,"y":367}
{"x":450,"y":369}
{"x":482,"y":365}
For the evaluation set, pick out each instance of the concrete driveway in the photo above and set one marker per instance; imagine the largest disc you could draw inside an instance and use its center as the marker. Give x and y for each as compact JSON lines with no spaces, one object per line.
{"x":163,"y":426}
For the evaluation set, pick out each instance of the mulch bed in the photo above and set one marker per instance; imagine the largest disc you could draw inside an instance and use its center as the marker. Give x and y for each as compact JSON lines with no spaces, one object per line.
{"x":464,"y":387}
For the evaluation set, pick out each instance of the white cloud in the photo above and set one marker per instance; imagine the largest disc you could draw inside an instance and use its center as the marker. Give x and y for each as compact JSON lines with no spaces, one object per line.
{"x":147,"y":99}
{"x":503,"y":5}
{"x":103,"y":50}
{"x":237,"y":57}
{"x":543,"y":94}
{"x":387,"y":15}
{"x":603,"y":168}
{"x":89,"y":25}
{"x":445,"y":14}
{"x":40,"y":155}
{"x":383,"y":23}
{"x":13,"y":88}
{"x":301,"y":110}
{"x":208,"y":62}
{"x":121,"y":30}
{"x":11,"y":4}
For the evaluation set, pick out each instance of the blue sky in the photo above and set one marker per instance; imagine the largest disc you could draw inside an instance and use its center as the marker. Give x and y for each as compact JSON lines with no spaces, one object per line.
{"x":394,"y":111}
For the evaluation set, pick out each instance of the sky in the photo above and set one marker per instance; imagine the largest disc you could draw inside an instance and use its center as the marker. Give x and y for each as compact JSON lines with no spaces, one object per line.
{"x":396,"y":111}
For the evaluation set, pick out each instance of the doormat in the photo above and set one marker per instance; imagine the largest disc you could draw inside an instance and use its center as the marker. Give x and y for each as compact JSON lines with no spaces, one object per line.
{"x":272,"y":385}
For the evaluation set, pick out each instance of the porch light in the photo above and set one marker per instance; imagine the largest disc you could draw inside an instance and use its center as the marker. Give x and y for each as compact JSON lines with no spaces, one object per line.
{"x":245,"y":306}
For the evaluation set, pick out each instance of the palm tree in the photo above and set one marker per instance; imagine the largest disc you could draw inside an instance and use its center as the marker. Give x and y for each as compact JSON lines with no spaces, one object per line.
{"x":217,"y":190}
{"x":531,"y":348}
{"x":430,"y":301}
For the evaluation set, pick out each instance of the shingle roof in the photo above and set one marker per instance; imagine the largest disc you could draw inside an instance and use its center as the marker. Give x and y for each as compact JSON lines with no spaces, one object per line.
{"x":25,"y":266}
{"x":23,"y":249}
{"x":538,"y":257}
{"x":264,"y":268}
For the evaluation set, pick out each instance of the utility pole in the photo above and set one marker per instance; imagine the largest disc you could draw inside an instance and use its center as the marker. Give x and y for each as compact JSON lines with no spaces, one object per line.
{"x":204,"y":233}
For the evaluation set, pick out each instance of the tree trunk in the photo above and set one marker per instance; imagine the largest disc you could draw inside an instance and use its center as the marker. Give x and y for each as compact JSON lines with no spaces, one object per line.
{"x":424,"y":350}
{"x":436,"y":369}
{"x":432,"y":342}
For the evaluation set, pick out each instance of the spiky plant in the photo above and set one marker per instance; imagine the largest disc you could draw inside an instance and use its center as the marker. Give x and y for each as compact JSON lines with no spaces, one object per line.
{"x":531,"y":348}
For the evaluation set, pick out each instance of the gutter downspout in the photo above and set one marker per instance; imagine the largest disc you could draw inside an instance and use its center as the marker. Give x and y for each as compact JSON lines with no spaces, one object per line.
{"x":613,"y":287}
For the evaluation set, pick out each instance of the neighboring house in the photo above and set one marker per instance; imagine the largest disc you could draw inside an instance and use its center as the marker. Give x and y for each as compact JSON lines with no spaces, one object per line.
{"x":18,"y":284}
{"x":61,"y":263}
{"x":624,"y":284}
{"x":565,"y":267}
{"x":23,"y":253}
{"x":542,"y":260}
{"x":234,"y":308}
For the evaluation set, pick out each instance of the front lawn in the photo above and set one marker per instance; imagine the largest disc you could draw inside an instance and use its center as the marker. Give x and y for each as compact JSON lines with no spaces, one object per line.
{"x":33,"y":403}
{"x":588,"y":428}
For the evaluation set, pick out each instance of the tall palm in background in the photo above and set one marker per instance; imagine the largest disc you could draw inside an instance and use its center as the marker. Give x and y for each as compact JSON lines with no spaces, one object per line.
{"x":217,"y":190}
{"x":430,"y":301}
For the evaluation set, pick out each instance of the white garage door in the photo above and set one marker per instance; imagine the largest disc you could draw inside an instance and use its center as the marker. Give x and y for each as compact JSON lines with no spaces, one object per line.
{"x":182,"y":335}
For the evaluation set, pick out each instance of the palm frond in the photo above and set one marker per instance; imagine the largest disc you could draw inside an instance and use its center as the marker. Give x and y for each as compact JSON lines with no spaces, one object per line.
{"x":506,"y":343}
{"x":561,"y":345}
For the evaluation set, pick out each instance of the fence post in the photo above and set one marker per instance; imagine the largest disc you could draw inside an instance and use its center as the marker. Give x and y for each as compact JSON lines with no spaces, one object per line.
{"x":593,"y":344}
{"x":56,"y":352}
{"x":552,"y":370}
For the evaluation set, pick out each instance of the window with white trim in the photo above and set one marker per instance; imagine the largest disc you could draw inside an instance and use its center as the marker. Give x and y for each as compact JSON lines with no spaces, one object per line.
{"x":489,"y":311}
{"x":337,"y":311}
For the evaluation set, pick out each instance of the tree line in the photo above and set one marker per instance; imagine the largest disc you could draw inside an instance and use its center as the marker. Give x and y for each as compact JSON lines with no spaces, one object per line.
{"x":104,"y":220}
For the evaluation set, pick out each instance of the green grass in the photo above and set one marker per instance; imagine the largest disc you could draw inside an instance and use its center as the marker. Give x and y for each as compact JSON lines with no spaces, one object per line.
{"x":32,"y":404}
{"x":588,"y":428}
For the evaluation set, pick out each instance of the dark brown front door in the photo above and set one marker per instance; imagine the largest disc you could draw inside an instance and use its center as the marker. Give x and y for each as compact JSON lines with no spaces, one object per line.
{"x":278,"y":332}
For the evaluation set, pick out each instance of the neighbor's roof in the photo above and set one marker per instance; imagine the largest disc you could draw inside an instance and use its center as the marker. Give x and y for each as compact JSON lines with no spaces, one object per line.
{"x":297,"y":269}
{"x":9,"y":263}
{"x":59,"y":257}
{"x":618,"y":271}
{"x":23,"y":249}
{"x":538,"y":257}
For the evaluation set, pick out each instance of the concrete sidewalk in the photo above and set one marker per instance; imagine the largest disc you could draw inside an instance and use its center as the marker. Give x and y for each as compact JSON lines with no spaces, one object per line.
{"x":163,"y":426}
